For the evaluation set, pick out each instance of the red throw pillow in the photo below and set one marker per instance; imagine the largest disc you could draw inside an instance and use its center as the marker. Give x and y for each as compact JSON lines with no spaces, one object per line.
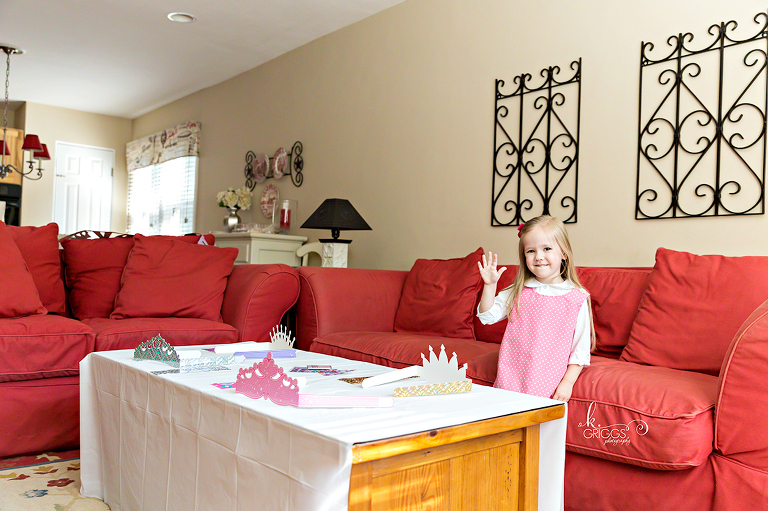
{"x":439,"y":297}
{"x":693,"y":307}
{"x":18,"y":294}
{"x":615,"y":294}
{"x":39,"y":246}
{"x":167,"y":278}
{"x":93,"y":268}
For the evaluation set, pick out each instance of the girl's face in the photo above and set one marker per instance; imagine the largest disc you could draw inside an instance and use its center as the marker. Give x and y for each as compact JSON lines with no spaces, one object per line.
{"x":543,"y":256}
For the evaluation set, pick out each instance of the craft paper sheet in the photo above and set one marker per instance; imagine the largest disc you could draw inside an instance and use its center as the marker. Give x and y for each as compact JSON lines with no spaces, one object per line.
{"x":177,"y":441}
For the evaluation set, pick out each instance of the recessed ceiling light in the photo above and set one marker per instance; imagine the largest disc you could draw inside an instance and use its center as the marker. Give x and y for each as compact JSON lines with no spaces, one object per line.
{"x":181,"y":17}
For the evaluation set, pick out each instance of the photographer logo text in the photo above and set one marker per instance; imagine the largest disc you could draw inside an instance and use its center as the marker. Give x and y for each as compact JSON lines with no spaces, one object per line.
{"x":614,"y":434}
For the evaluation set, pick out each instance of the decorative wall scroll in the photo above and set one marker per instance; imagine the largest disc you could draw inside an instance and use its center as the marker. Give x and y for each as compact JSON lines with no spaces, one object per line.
{"x":702,"y":124}
{"x":536,"y":148}
{"x":259,"y":167}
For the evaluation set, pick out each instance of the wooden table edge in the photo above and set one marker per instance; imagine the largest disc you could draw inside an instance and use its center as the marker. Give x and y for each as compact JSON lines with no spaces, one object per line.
{"x":384,"y":448}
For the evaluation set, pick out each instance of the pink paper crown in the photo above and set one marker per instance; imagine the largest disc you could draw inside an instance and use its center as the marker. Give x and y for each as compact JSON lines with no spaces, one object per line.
{"x":265,"y":379}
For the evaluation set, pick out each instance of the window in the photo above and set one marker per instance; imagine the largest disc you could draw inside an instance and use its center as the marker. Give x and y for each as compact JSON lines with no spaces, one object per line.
{"x":161,"y":197}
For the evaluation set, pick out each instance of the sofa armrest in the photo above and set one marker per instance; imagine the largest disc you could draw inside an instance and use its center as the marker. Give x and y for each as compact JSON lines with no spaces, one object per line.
{"x":741,"y":414}
{"x":257,"y":297}
{"x":346,"y":300}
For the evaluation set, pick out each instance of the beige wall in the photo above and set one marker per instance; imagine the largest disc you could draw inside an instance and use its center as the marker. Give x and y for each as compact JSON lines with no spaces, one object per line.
{"x":396,"y":114}
{"x":54,"y":124}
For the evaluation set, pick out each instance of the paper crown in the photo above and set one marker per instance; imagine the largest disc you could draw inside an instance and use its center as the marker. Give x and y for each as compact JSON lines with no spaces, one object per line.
{"x":439,"y":369}
{"x":157,"y":349}
{"x":265,"y":379}
{"x":281,"y":338}
{"x":444,"y":375}
{"x":435,"y":370}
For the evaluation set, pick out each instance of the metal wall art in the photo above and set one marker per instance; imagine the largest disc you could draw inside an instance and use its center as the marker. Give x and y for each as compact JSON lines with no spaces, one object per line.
{"x":702,"y":125}
{"x":536,"y":148}
{"x":259,"y":167}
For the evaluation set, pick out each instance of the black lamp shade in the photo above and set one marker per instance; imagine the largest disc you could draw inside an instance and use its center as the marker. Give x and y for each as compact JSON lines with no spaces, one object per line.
{"x":336,"y":215}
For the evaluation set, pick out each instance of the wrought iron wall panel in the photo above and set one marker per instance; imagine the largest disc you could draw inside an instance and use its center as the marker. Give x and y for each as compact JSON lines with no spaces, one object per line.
{"x":702,"y":124}
{"x":536,"y":147}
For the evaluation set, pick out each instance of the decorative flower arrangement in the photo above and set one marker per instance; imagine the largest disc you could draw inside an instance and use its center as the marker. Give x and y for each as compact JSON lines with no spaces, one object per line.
{"x":231,"y":198}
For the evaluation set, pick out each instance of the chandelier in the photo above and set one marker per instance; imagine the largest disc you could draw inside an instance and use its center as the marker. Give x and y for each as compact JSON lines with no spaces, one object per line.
{"x":31,"y":142}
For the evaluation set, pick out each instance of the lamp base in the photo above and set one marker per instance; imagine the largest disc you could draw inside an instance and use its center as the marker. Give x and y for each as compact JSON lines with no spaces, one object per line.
{"x":335,"y":253}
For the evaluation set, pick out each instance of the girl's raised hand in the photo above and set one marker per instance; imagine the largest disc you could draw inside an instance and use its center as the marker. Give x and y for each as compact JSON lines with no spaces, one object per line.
{"x":488,"y":270}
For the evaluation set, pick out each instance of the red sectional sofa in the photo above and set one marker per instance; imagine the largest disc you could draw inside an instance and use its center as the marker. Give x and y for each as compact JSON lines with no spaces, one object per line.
{"x":119,"y":292}
{"x":670,"y":414}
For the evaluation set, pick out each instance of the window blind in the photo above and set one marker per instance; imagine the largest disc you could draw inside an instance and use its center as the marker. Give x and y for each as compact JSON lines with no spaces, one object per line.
{"x":161,"y":197}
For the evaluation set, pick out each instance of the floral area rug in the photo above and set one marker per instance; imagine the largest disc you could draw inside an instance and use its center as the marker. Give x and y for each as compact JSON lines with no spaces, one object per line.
{"x":44,"y":482}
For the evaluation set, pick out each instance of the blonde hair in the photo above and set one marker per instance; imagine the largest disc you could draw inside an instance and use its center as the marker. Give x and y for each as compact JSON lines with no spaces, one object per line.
{"x":555,"y":230}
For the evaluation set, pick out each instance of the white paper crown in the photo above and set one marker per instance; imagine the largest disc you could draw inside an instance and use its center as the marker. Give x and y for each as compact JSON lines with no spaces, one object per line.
{"x":439,"y":369}
{"x":435,"y":370}
{"x":281,"y":338}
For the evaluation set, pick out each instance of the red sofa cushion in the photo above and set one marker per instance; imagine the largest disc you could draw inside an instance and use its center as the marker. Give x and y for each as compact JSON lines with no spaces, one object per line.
{"x":93,"y":268}
{"x":615,"y":294}
{"x":693,"y":307}
{"x":439,"y":297}
{"x":168,"y":278}
{"x":42,"y":346}
{"x":653,"y":417}
{"x":482,"y":368}
{"x":396,"y":349}
{"x":18,"y":293}
{"x":39,"y":246}
{"x":120,"y":334}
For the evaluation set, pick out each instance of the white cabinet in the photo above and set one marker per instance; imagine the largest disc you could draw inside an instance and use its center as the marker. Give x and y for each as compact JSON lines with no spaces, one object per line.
{"x":260,"y":248}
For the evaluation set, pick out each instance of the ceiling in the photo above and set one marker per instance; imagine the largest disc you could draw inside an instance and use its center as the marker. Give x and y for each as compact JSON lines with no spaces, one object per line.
{"x":125,"y":58}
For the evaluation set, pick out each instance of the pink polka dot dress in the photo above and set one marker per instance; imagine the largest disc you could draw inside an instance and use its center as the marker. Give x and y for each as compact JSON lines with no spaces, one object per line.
{"x":537,"y":343}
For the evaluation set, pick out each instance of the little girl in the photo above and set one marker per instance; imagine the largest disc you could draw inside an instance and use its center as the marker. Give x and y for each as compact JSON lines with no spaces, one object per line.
{"x":549,"y":335}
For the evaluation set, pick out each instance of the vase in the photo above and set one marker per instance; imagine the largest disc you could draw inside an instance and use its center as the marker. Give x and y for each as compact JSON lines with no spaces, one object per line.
{"x":231,"y":220}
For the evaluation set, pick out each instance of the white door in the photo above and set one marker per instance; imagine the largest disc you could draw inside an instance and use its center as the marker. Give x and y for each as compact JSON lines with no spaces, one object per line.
{"x":82,"y":188}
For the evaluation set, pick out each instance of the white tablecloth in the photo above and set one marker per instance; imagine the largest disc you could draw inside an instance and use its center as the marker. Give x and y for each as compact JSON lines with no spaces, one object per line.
{"x":176,"y":441}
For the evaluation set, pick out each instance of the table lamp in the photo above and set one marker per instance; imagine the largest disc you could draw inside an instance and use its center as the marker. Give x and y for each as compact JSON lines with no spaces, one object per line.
{"x":337,"y":215}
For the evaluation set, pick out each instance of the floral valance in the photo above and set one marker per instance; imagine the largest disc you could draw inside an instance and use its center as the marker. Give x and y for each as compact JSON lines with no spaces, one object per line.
{"x":181,"y":140}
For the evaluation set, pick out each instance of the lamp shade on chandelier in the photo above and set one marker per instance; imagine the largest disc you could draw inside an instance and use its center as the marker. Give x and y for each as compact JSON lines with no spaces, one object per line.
{"x":32,"y":143}
{"x":42,"y":154}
